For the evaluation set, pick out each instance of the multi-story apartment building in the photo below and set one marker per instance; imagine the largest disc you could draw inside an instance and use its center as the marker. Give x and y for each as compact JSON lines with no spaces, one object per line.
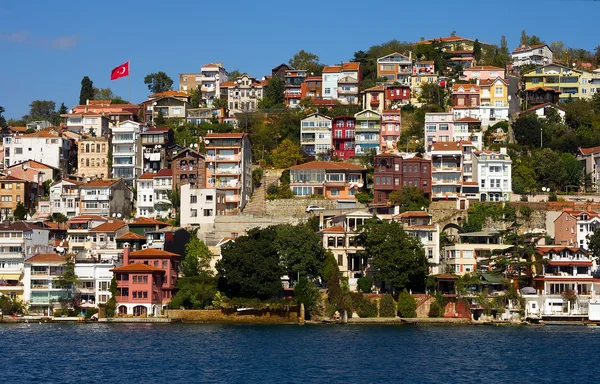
{"x":540,"y":54}
{"x":570,"y":82}
{"x":12,"y":192}
{"x":439,"y":127}
{"x":312,"y":87}
{"x":189,"y":82}
{"x":572,"y":227}
{"x":126,"y":151}
{"x":315,"y":134}
{"x":468,"y":257}
{"x":397,"y":95}
{"x":492,"y":170}
{"x":39,"y":280}
{"x":155,"y":144}
{"x":152,"y":194}
{"x":294,"y":79}
{"x":393,"y":170}
{"x":374,"y":98}
{"x":243,"y":94}
{"x":200,"y":206}
{"x":395,"y":67}
{"x":18,"y":241}
{"x":229,"y":166}
{"x":483,"y":73}
{"x":391,"y":128}
{"x":64,"y":197}
{"x":332,"y":180}
{"x":79,"y":239}
{"x":48,"y":147}
{"x":494,"y":101}
{"x":466,"y":96}
{"x":213,"y":75}
{"x":92,"y":157}
{"x":188,"y":166}
{"x":348,"y":89}
{"x":420,"y":225}
{"x":423,"y":72}
{"x":446,"y":173}
{"x":105,"y":197}
{"x":342,"y":82}
{"x":87,"y":123}
{"x":590,"y":158}
{"x":368,"y":127}
{"x":341,"y":236}
{"x":344,"y":128}
{"x":94,"y":277}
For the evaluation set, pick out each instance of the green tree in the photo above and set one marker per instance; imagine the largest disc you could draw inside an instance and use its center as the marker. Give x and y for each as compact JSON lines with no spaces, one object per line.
{"x":87,"y":90}
{"x":574,"y":169}
{"x":433,"y":94}
{"x":330,"y":266}
{"x":111,"y":303}
{"x":20,"y":212}
{"x":594,"y":244}
{"x":407,"y":305}
{"x":220,"y":103}
{"x":300,"y":251}
{"x":308,"y":61}
{"x":523,"y":179}
{"x":67,"y":280}
{"x":524,"y":39}
{"x":409,"y":199}
{"x":527,"y":128}
{"x":558,"y":48}
{"x":103,"y":94}
{"x":195,"y":292}
{"x":286,"y":154}
{"x":250,"y":265}
{"x":387,"y":306}
{"x":398,"y":259}
{"x":42,"y":110}
{"x":197,"y":258}
{"x":58,"y":217}
{"x":158,"y":82}
{"x":234,"y":74}
{"x":477,"y":50}
{"x":174,"y":197}
{"x":196,"y":97}
{"x":306,"y":293}
{"x":504,"y":46}
{"x":534,"y":40}
{"x":273,"y":96}
{"x":3,"y":123}
{"x":11,"y":306}
{"x":160,"y":119}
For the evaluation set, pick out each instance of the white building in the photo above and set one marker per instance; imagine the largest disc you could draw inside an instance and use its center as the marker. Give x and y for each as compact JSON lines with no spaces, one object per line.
{"x":212,"y":76}
{"x":94,"y":280}
{"x":537,"y":54}
{"x":64,"y":197}
{"x":462,"y":257}
{"x":105,"y":197}
{"x":199,"y":206}
{"x":493,"y":172}
{"x":315,"y":134}
{"x":87,"y":123}
{"x":419,"y":224}
{"x":152,"y":194}
{"x":126,"y":151}
{"x":39,"y":276}
{"x":243,"y":94}
{"x":47,"y":147}
{"x":587,"y":223}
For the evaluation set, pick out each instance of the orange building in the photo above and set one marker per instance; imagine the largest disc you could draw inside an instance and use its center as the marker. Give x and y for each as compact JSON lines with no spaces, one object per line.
{"x":12,"y":191}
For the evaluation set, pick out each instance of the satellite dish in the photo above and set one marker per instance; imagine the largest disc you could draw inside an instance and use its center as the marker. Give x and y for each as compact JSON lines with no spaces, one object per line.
{"x":174,"y":153}
{"x":114,"y":215}
{"x":119,"y":215}
{"x":25,"y":166}
{"x":263,"y":78}
{"x":206,"y":142}
{"x":89,"y":179}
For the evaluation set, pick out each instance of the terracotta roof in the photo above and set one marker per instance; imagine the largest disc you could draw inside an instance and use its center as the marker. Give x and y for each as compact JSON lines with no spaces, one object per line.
{"x":535,"y":89}
{"x":466,"y":87}
{"x":589,"y":151}
{"x":527,"y":47}
{"x":164,"y":173}
{"x":492,"y":81}
{"x":29,"y":162}
{"x":351,"y":66}
{"x":458,"y":52}
{"x":378,"y":88}
{"x":47,"y":258}
{"x":110,"y":226}
{"x":55,"y":226}
{"x":557,"y":248}
{"x":99,"y":102}
{"x":11,"y":178}
{"x":570,"y":262}
{"x":88,"y":217}
{"x":483,"y":68}
{"x":152,"y":252}
{"x":18,"y":129}
{"x":409,"y":227}
{"x":131,"y":236}
{"x":443,"y":39}
{"x":18,"y":226}
{"x":447,"y":146}
{"x":61,"y":243}
{"x":467,"y":119}
{"x":544,"y":106}
{"x":138,"y":267}
{"x":157,"y":130}
{"x":147,"y":221}
{"x":329,"y":166}
{"x":170,"y":93}
{"x":100,"y":183}
{"x":413,"y":214}
{"x":146,"y":176}
{"x":334,"y":229}
{"x":44,"y":133}
{"x":228,"y":84}
{"x":332,"y":68}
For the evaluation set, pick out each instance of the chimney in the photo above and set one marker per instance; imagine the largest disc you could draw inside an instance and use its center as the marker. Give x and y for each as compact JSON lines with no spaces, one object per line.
{"x":87,"y":102}
{"x":126,"y":254}
{"x":503,"y":150}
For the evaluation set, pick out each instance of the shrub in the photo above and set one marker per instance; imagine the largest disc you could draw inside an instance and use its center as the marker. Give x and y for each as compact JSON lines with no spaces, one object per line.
{"x":363,"y":306}
{"x":257,"y":175}
{"x":436,"y":310}
{"x":363,"y":198}
{"x":306,"y":293}
{"x":525,"y":211}
{"x":553,"y":197}
{"x":365,"y":284}
{"x":272,"y":189}
{"x":387,"y":306}
{"x":407,"y":305}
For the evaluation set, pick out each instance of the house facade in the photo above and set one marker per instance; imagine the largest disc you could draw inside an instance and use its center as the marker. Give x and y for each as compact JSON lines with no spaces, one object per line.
{"x":395,"y":67}
{"x":368,"y":128}
{"x":105,"y":197}
{"x":315,"y":134}
{"x":540,"y":54}
{"x":64,"y":197}
{"x":344,"y":129}
{"x":243,"y":94}
{"x":493,"y":172}
{"x":188,"y":166}
{"x":332,"y":180}
{"x":48,"y":147}
{"x":391,"y":128}
{"x":572,"y":83}
{"x":200,"y":206}
{"x":126,"y":151}
{"x":92,"y":157}
{"x":394,"y":170}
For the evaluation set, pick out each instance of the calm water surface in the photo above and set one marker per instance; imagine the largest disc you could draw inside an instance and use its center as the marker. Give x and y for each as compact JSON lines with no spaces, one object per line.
{"x":84,"y":353}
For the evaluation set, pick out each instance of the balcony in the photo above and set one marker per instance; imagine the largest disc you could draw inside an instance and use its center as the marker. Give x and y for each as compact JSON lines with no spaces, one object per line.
{"x":445,"y":168}
{"x":369,"y":127}
{"x":225,"y":171}
{"x":359,"y":140}
{"x":307,"y":141}
{"x":375,"y":102}
{"x":228,"y":158}
{"x":232,"y":199}
{"x":446,"y":181}
{"x":12,"y":256}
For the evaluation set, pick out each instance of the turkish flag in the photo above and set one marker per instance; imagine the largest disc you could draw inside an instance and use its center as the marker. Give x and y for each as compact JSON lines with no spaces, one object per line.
{"x":121,"y":71}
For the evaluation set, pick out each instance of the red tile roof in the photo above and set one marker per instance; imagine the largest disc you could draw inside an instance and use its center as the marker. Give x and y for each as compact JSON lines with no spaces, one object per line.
{"x":527,"y":47}
{"x":170,"y":93}
{"x":413,"y":214}
{"x":589,"y":151}
{"x":483,"y":68}
{"x":544,"y":106}
{"x":147,"y":221}
{"x":152,"y":252}
{"x":146,"y":176}
{"x":446,"y":146}
{"x":334,"y":229}
{"x":466,"y":87}
{"x":328,"y":166}
{"x":111,"y":225}
{"x":225,"y":135}
{"x":18,"y":226}
{"x":131,"y":236}
{"x":332,"y":68}
{"x":467,"y":119}
{"x":138,"y":267}
{"x":352,"y":66}
{"x":102,"y":183}
{"x":164,"y":173}
{"x":47,"y":258}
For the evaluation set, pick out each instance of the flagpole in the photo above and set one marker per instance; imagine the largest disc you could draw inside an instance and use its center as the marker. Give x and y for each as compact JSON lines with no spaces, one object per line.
{"x":129,"y":80}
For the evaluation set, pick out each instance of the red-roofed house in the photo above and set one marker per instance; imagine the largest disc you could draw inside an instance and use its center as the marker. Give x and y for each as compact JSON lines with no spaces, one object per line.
{"x":172,"y":104}
{"x":333,"y":180}
{"x":537,"y":54}
{"x":116,"y":113}
{"x":293,"y":79}
{"x":395,"y":67}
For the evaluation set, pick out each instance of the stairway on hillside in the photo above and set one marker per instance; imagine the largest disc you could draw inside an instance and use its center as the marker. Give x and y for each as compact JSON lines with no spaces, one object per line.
{"x":257,"y":204}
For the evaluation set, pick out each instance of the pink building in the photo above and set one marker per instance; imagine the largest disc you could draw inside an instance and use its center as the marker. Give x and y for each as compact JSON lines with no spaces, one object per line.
{"x":146,"y":281}
{"x":390,"y":130}
{"x":439,"y":127}
{"x":483,"y":72}
{"x":342,"y":136}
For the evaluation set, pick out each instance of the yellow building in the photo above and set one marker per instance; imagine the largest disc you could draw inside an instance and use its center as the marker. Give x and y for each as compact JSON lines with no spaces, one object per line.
{"x":571,"y":83}
{"x":92,"y":157}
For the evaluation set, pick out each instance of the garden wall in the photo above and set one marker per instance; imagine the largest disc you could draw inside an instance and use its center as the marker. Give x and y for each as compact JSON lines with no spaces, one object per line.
{"x":233,"y":316}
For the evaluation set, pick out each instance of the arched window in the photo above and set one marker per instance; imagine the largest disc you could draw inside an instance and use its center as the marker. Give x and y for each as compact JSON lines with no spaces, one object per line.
{"x":82,"y":161}
{"x":87,"y":147}
{"x":87,"y":162}
{"x":103,"y":161}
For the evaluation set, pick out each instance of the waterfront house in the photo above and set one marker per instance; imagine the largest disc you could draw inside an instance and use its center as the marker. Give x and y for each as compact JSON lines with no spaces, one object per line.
{"x":472,"y":253}
{"x":420,"y":224}
{"x":39,"y":280}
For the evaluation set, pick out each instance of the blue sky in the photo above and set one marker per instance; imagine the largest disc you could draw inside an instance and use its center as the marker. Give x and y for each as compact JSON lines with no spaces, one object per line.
{"x":47,"y":48}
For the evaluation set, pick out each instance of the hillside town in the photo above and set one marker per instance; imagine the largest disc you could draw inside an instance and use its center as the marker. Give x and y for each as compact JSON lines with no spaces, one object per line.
{"x":446,"y":177}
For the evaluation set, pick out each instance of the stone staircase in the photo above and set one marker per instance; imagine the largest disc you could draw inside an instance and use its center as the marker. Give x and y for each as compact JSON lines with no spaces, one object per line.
{"x":257,"y":205}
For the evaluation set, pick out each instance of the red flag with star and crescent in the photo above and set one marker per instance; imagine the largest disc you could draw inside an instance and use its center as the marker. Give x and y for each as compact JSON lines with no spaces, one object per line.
{"x":121,"y":71}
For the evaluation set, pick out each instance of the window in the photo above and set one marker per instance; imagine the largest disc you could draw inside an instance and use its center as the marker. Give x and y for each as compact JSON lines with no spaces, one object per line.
{"x":209,"y":197}
{"x":334,"y":192}
{"x":193,"y":199}
{"x":327,"y":91}
{"x":208,"y":212}
{"x":194,"y":213}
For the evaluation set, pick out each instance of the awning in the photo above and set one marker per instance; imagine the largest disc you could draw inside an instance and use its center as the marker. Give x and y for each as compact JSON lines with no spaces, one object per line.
{"x":77,"y":221}
{"x":491,"y":279}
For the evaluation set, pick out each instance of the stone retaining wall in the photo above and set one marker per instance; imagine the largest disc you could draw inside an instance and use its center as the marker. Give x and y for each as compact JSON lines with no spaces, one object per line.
{"x":232,"y":316}
{"x":297,"y":207}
